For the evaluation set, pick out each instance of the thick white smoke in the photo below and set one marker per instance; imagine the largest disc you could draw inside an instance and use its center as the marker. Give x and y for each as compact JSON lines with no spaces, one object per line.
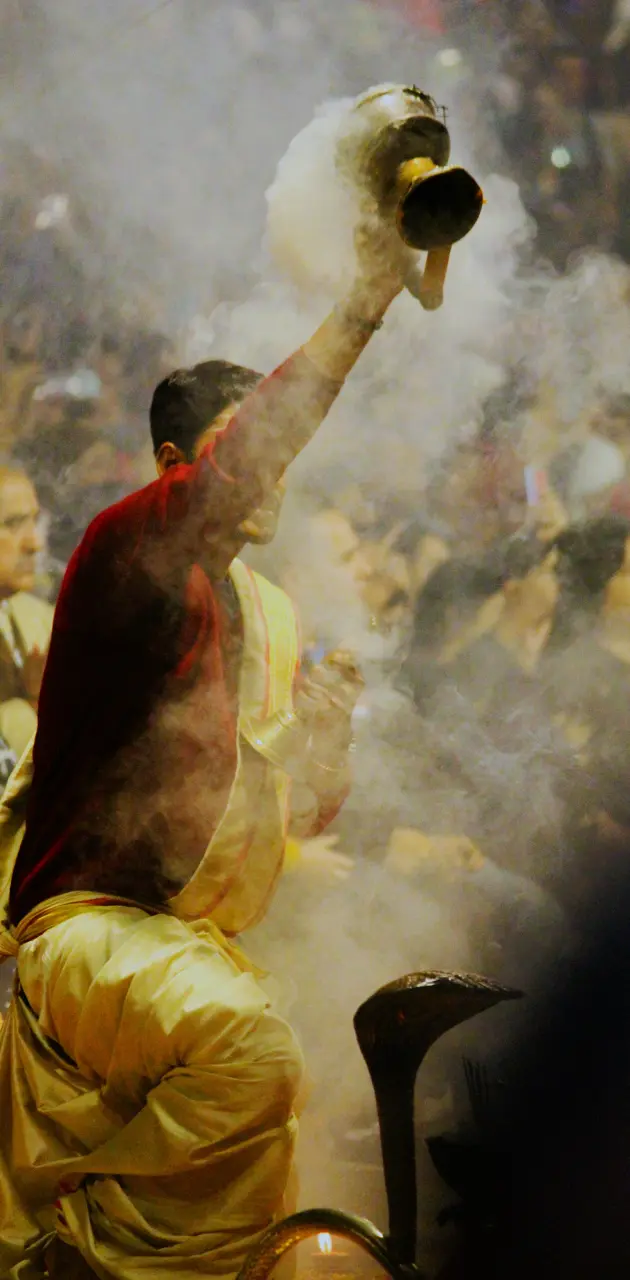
{"x":578,"y":347}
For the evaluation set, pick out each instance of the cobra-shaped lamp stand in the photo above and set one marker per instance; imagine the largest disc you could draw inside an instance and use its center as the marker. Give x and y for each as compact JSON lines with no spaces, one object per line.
{"x":395,"y":1029}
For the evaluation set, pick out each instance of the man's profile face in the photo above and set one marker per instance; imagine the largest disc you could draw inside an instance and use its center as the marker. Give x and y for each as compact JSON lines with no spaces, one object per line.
{"x":261,"y":526}
{"x":20,"y":536}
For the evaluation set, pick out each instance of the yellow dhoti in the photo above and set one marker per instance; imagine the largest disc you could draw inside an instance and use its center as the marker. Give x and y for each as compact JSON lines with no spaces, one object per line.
{"x":146,"y":1087}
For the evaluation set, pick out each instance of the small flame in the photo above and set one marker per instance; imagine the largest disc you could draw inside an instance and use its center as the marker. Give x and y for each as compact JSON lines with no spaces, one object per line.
{"x":325,"y":1242}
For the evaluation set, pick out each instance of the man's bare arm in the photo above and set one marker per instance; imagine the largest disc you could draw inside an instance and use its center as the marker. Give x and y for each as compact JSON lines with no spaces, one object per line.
{"x":201,"y":506}
{"x":281,"y":416}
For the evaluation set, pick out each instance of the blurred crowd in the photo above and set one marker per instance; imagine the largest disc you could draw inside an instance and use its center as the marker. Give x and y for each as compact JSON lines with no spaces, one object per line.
{"x":509,"y":626}
{"x":558,"y":87}
{"x":75,"y":381}
{"x":490,"y":816}
{"x":562,"y":100}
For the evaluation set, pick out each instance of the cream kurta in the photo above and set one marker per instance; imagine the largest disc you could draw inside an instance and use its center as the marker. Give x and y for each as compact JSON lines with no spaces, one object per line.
{"x":152,"y":1096}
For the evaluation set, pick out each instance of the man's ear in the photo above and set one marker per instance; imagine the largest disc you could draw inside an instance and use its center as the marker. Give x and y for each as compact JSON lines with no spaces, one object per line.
{"x":168,"y":455}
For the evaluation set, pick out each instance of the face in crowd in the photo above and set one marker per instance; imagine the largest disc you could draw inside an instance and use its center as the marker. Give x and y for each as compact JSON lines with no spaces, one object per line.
{"x":20,"y":533}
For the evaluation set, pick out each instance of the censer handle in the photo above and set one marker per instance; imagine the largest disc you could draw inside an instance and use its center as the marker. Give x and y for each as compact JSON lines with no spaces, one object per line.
{"x":428,"y":285}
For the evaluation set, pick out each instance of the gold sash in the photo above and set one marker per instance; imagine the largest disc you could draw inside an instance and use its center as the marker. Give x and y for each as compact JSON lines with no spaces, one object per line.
{"x":238,"y":873}
{"x":57,"y":910}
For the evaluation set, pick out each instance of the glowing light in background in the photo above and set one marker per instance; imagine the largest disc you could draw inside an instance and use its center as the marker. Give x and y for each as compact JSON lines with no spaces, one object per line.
{"x":561,"y":158}
{"x":54,"y":209}
{"x":449,"y":58}
{"x":324,"y":1242}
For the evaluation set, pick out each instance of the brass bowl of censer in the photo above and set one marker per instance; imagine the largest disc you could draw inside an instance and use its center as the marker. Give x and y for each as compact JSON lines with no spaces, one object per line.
{"x":396,"y":149}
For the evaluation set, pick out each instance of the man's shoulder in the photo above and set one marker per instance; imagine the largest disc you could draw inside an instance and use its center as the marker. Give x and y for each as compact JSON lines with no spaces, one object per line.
{"x":117,"y":515}
{"x":114,"y":533}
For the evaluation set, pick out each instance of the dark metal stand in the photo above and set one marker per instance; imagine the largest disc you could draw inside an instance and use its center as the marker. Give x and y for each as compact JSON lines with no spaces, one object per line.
{"x":395,"y":1029}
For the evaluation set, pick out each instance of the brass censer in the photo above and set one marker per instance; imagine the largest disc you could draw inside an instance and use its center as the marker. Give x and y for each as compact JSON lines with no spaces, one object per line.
{"x":396,"y":149}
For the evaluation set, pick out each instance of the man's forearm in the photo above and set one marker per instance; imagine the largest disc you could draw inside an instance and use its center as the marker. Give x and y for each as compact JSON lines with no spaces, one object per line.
{"x":336,"y":346}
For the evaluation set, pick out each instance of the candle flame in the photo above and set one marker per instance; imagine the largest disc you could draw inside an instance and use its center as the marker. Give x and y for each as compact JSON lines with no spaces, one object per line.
{"x":325,"y":1242}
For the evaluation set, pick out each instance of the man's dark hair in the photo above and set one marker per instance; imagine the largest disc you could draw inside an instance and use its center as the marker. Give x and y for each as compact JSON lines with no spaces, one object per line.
{"x":187,"y":402}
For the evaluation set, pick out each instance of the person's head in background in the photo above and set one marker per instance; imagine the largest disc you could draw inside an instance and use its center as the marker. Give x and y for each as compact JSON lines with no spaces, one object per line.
{"x":593,"y":572}
{"x":464,"y":601}
{"x":447,"y":606}
{"x":383,"y":562}
{"x":190,"y":407}
{"x":411,"y":552}
{"x":20,"y":535}
{"x":425,"y":547}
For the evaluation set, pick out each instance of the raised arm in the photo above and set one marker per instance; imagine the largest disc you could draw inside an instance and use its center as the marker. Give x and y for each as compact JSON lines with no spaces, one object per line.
{"x":241,"y":464}
{"x":282,"y":415}
{"x":201,"y":505}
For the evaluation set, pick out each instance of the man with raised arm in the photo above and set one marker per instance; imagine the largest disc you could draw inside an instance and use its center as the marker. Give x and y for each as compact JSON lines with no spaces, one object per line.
{"x":146,"y":1088}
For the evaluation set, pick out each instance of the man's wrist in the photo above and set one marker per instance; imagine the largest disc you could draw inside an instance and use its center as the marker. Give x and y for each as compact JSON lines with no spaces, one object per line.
{"x":365,"y":307}
{"x":358,"y":318}
{"x":336,"y":346}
